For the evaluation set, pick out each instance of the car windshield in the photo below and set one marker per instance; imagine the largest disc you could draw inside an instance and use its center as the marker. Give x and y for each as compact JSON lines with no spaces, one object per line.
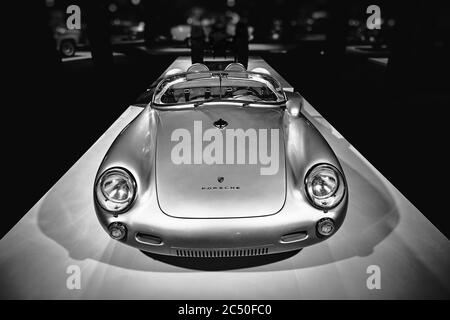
{"x":196,"y":88}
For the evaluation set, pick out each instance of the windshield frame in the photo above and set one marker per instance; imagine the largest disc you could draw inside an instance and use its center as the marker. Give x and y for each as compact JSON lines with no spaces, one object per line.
{"x":270,"y":82}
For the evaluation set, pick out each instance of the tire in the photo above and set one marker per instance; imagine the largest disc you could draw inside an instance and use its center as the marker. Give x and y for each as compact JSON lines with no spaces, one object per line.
{"x":67,"y":48}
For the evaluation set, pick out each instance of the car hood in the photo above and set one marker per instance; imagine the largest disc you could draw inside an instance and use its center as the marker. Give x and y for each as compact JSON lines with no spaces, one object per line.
{"x":203,"y":171}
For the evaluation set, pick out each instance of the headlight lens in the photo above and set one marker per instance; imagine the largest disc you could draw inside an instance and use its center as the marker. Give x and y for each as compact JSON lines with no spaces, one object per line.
{"x":325,"y":186}
{"x":116,"y":189}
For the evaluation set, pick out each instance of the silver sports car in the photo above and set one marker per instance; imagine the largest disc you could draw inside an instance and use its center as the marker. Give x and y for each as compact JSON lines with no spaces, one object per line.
{"x":220,"y":164}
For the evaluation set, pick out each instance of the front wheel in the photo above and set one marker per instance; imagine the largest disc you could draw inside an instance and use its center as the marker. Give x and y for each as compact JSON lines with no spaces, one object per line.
{"x":67,"y":48}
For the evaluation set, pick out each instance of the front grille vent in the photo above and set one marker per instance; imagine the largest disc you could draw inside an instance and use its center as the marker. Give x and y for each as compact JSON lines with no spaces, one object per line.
{"x":221,"y":253}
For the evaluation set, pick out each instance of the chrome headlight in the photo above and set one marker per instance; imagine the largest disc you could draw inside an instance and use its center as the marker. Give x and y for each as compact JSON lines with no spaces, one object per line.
{"x":115,"y":190}
{"x":325,"y":186}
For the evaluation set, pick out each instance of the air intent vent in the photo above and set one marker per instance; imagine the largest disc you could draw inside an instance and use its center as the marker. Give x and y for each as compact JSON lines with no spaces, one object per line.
{"x":221,"y":253}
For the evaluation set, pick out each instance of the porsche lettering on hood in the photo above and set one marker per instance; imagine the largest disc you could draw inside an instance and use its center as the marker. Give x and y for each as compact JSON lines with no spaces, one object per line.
{"x":192,"y":152}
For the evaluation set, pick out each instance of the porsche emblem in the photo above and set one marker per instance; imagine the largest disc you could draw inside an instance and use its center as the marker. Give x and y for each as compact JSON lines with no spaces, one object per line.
{"x":220,"y":124}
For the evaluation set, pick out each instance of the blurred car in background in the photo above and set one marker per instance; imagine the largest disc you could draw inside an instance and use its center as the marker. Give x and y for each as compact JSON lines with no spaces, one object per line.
{"x":67,"y":41}
{"x":181,"y":34}
{"x":214,"y":27}
{"x":309,"y":26}
{"x":126,"y":30}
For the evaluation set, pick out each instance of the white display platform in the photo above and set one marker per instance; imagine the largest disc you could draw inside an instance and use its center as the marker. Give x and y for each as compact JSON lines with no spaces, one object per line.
{"x":382,"y":228}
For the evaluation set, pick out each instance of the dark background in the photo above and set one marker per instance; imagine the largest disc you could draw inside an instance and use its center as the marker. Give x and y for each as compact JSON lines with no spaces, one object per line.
{"x":394,"y":114}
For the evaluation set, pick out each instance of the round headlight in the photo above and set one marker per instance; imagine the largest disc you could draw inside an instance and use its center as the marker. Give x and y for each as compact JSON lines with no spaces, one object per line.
{"x":325,"y":186}
{"x":115,"y":190}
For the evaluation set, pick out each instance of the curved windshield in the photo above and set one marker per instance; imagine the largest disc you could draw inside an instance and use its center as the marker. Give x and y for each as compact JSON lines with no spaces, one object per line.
{"x":246,"y":87}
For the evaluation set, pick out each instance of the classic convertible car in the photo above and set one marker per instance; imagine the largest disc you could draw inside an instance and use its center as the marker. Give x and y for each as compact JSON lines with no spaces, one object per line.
{"x":220,"y":164}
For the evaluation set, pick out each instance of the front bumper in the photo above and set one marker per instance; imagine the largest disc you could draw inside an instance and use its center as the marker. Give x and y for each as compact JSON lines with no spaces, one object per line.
{"x":292,"y":228}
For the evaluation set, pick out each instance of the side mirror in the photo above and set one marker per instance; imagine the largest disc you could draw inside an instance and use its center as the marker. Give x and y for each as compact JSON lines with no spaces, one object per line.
{"x":294,"y":104}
